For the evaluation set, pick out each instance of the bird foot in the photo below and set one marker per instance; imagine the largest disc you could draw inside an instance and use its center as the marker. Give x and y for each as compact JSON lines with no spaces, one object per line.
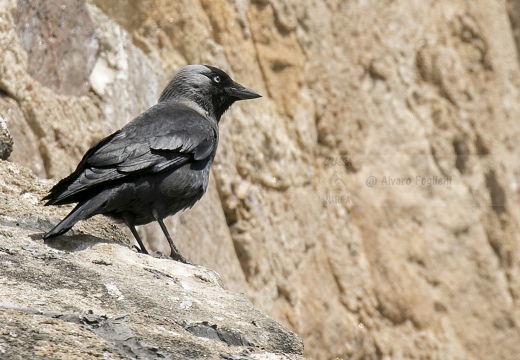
{"x":138,"y":250}
{"x":181,"y":259}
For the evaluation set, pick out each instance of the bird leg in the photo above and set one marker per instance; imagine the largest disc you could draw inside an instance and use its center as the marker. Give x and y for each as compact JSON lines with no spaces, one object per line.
{"x":129,"y":221}
{"x":175,"y":254}
{"x":138,"y":238}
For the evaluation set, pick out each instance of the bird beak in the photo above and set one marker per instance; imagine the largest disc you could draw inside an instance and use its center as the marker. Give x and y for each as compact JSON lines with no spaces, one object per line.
{"x":238,"y":91}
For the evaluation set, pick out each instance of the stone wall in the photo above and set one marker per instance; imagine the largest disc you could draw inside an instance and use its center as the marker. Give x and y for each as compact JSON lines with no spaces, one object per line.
{"x":369,"y":201}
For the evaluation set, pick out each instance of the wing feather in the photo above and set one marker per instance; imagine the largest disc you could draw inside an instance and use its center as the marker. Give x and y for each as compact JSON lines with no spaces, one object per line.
{"x":165,"y":136}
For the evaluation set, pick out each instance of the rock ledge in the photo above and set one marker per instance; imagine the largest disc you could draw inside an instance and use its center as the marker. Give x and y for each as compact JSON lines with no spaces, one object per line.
{"x":87,"y":295}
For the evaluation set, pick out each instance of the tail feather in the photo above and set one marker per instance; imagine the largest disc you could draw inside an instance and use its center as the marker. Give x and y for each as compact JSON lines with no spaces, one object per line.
{"x":81,"y":211}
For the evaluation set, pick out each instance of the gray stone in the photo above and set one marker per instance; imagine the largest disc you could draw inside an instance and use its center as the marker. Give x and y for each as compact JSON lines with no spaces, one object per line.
{"x":6,"y":140}
{"x":58,"y":37}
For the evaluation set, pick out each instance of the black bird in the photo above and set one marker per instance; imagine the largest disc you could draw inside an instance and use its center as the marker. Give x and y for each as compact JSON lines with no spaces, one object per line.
{"x":156,"y":165}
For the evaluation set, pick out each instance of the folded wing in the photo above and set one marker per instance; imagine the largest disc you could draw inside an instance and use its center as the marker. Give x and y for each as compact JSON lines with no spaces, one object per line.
{"x":164,"y":137}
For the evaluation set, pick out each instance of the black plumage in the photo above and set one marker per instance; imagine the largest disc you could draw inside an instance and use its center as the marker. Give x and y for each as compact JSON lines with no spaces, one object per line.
{"x":156,"y":165}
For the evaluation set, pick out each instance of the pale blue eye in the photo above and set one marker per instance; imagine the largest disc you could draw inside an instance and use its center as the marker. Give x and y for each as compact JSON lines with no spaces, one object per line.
{"x":216,"y":79}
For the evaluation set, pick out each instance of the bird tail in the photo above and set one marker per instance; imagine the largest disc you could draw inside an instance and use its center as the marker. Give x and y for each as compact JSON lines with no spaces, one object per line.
{"x":80,"y":212}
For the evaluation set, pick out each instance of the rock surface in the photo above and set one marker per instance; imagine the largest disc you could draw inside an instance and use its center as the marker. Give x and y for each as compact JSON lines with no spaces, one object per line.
{"x":6,"y":140}
{"x":25,"y":148}
{"x":370,"y":200}
{"x":90,"y":290}
{"x":59,"y":39}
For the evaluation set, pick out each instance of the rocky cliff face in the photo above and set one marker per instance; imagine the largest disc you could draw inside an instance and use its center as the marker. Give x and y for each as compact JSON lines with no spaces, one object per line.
{"x":370,"y":201}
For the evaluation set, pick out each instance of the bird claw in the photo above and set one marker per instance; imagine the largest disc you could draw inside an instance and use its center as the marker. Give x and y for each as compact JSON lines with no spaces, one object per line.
{"x":181,"y":259}
{"x":138,"y":250}
{"x":160,"y":255}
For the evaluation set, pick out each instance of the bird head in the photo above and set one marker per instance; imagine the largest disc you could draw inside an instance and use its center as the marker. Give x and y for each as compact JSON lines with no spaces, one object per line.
{"x":208,"y":87}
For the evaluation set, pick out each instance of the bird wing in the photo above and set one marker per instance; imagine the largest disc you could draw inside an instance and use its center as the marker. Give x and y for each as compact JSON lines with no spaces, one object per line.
{"x":164,"y":137}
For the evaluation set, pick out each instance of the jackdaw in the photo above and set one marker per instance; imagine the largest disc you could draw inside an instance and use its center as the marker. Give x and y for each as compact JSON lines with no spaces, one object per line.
{"x":156,"y":165}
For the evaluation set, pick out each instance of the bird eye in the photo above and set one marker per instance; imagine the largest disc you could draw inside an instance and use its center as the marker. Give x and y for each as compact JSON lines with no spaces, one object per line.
{"x":216,"y":79}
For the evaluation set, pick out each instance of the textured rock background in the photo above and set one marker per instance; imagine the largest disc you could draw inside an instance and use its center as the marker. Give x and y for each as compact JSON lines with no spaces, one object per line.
{"x":90,"y":297}
{"x":355,"y":91}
